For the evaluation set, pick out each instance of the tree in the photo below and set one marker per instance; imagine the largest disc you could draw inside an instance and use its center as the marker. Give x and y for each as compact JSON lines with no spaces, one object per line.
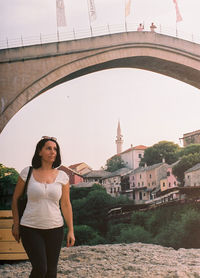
{"x":86,"y":235}
{"x":8,"y":180}
{"x":82,"y":192}
{"x":115,"y":163}
{"x":96,"y":207}
{"x":190,"y":149}
{"x":185,"y":163}
{"x":163,"y":149}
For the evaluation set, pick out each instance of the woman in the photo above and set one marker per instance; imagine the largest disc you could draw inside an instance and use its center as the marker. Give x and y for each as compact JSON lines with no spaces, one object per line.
{"x":41,"y":226}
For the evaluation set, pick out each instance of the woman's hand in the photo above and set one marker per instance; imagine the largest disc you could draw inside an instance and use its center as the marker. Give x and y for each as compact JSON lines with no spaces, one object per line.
{"x":70,"y":239}
{"x":15,"y":232}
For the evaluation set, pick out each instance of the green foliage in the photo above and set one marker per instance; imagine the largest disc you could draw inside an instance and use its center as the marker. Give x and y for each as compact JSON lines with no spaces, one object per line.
{"x":86,"y":235}
{"x":168,"y":226}
{"x":170,"y":235}
{"x":79,"y":213}
{"x":190,"y":149}
{"x":163,"y":149}
{"x":134,"y":234}
{"x":139,"y":218}
{"x":156,"y":219}
{"x":175,"y":226}
{"x":186,"y":162}
{"x":92,"y":209}
{"x":96,"y":206}
{"x":4,"y":171}
{"x":120,"y":200}
{"x":114,"y":231}
{"x":8,"y":180}
{"x":115,"y":163}
{"x":190,"y":224}
{"x":183,"y":233}
{"x":79,"y":193}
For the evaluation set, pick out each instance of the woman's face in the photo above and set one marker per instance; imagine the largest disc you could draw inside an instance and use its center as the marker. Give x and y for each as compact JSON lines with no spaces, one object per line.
{"x":48,"y":152}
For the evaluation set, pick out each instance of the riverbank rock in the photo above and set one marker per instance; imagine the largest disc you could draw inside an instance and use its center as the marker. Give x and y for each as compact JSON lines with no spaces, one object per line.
{"x":136,"y":260}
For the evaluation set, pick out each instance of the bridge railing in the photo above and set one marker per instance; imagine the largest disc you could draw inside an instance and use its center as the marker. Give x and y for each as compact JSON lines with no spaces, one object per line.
{"x":75,"y":34}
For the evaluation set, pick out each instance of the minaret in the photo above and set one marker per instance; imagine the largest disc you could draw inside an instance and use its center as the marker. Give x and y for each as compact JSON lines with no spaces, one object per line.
{"x":119,"y":140}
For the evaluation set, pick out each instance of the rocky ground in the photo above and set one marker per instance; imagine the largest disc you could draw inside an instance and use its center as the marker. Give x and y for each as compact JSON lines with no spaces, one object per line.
{"x":119,"y":260}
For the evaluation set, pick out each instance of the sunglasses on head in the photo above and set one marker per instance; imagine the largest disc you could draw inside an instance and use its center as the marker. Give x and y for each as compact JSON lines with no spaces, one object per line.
{"x":51,"y":138}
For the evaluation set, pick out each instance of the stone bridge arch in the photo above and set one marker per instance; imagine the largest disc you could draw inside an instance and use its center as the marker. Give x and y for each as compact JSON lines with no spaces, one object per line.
{"x":26,"y":72}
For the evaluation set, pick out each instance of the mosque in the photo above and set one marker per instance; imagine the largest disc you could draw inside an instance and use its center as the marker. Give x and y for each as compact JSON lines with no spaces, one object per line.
{"x":131,"y":156}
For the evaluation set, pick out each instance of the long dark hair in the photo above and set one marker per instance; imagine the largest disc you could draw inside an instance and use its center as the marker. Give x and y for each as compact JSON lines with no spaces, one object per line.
{"x":36,"y":160}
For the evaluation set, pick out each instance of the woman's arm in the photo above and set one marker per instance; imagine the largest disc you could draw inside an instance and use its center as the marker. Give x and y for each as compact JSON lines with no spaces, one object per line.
{"x":68,"y":215}
{"x":17,"y":193}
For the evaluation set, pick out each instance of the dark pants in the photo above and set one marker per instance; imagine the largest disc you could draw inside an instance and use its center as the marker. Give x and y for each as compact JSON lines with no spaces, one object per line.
{"x":43,"y":249}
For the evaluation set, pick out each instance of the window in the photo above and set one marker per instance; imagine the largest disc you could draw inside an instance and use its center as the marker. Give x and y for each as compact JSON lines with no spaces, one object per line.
{"x":142,"y":183}
{"x":150,"y":176}
{"x":168,"y":173}
{"x":111,"y":190}
{"x":140,"y":176}
{"x":163,"y":184}
{"x":138,"y":184}
{"x":115,"y":190}
{"x":149,"y":184}
{"x":140,"y":155}
{"x":174,"y":183}
{"x":188,"y":177}
{"x":133,"y":184}
{"x":144,"y":194}
{"x":169,"y":184}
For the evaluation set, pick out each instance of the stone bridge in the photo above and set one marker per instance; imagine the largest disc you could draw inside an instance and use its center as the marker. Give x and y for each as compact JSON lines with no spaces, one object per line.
{"x":27,"y":72}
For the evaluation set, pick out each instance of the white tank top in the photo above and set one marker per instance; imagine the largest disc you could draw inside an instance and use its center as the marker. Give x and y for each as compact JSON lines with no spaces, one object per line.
{"x":43,"y":210}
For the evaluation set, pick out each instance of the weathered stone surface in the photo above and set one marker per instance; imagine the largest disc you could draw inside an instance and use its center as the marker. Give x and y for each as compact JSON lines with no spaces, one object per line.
{"x":32,"y":70}
{"x":119,"y":261}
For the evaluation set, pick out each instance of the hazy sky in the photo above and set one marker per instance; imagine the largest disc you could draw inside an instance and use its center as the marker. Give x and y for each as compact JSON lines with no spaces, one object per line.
{"x":83,"y":113}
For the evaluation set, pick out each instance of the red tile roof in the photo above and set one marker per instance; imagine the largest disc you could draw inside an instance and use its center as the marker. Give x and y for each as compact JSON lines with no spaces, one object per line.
{"x":75,"y":165}
{"x":140,"y":147}
{"x":69,"y":170}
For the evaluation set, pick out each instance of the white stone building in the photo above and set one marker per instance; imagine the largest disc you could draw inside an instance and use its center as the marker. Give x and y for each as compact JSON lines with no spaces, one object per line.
{"x":112,"y":182}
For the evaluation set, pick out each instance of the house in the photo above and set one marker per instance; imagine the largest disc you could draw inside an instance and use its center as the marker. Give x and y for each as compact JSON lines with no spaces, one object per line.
{"x":116,"y":182}
{"x":191,"y":138}
{"x":83,"y":184}
{"x":168,"y":180}
{"x":192,"y":176}
{"x":95,"y":176}
{"x":81,"y":168}
{"x":74,"y":177}
{"x":132,"y":156}
{"x":145,"y":181}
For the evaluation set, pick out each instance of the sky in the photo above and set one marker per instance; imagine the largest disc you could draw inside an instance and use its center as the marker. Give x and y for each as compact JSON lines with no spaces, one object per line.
{"x":83,"y":113}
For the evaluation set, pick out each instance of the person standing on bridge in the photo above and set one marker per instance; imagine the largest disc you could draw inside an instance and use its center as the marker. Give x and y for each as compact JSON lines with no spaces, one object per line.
{"x":153,"y":27}
{"x":140,"y":27}
{"x":41,"y":226}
